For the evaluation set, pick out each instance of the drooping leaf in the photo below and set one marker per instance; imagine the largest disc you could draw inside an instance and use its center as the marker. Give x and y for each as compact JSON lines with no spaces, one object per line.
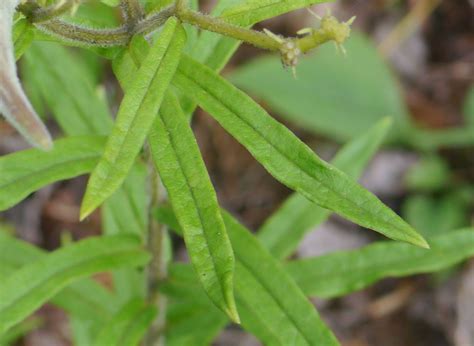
{"x":14,"y":104}
{"x":272,"y":306}
{"x":180,"y":165}
{"x":62,"y":80}
{"x":34,"y":284}
{"x":340,"y":273}
{"x":24,"y":172}
{"x":333,"y":96}
{"x":283,"y":231}
{"x":137,"y":111}
{"x":128,"y":326}
{"x":287,"y":158}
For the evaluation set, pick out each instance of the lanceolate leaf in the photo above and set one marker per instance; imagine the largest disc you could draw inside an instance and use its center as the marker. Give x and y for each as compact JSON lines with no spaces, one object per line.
{"x":13,"y":103}
{"x":182,"y":171}
{"x":271,"y":305}
{"x":128,"y":326}
{"x":86,"y":299}
{"x":24,"y":172}
{"x":340,"y":273}
{"x":287,"y":158}
{"x":284,"y":230}
{"x":34,"y":284}
{"x":137,"y":111}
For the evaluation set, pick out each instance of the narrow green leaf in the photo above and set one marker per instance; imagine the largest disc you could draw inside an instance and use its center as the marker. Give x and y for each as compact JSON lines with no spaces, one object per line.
{"x":74,"y":102}
{"x":287,"y":158}
{"x":128,"y":326}
{"x":340,"y":273}
{"x":176,"y":156}
{"x":283,"y":231}
{"x":24,"y":172}
{"x":86,"y":299}
{"x":137,"y":111}
{"x":34,"y":284}
{"x":249,"y":12}
{"x":271,"y":305}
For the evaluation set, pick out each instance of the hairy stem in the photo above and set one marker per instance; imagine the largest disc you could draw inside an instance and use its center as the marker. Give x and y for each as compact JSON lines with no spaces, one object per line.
{"x":132,"y":12}
{"x":290,"y":48}
{"x":36,"y":14}
{"x":157,"y":268}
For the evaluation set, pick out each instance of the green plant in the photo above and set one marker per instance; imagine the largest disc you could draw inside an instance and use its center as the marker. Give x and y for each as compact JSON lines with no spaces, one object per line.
{"x":166,"y":69}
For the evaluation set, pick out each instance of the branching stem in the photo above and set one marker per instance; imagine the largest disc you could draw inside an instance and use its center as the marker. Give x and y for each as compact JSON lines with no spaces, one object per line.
{"x":290,"y":48}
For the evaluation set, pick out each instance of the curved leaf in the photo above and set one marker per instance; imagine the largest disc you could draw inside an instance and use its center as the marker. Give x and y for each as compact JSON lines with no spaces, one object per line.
{"x":137,"y":111}
{"x":24,"y":172}
{"x":283,"y":231}
{"x":287,"y":158}
{"x":183,"y":173}
{"x":31,"y":286}
{"x":340,"y":273}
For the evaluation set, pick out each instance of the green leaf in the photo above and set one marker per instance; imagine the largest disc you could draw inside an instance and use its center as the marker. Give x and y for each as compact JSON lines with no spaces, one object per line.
{"x":283,"y":231}
{"x":191,"y":318}
{"x":23,"y":35}
{"x":431,"y":173}
{"x":271,"y":305}
{"x":125,"y":212}
{"x":128,"y":326}
{"x":62,"y":80}
{"x":340,"y":273}
{"x":137,"y":111}
{"x":249,"y":12}
{"x":34,"y":284}
{"x":333,"y":96}
{"x":180,"y":165}
{"x":86,"y":299}
{"x":436,"y":215}
{"x":287,"y":158}
{"x":24,"y":172}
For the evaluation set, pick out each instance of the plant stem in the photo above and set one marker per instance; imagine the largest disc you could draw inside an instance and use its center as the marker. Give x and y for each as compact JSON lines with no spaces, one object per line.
{"x":132,"y":12}
{"x":37,"y":14}
{"x":157,"y":268}
{"x":256,"y":38}
{"x":290,"y":48}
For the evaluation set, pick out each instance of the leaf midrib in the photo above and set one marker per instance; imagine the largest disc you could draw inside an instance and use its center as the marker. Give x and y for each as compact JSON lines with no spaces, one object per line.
{"x":179,"y":161}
